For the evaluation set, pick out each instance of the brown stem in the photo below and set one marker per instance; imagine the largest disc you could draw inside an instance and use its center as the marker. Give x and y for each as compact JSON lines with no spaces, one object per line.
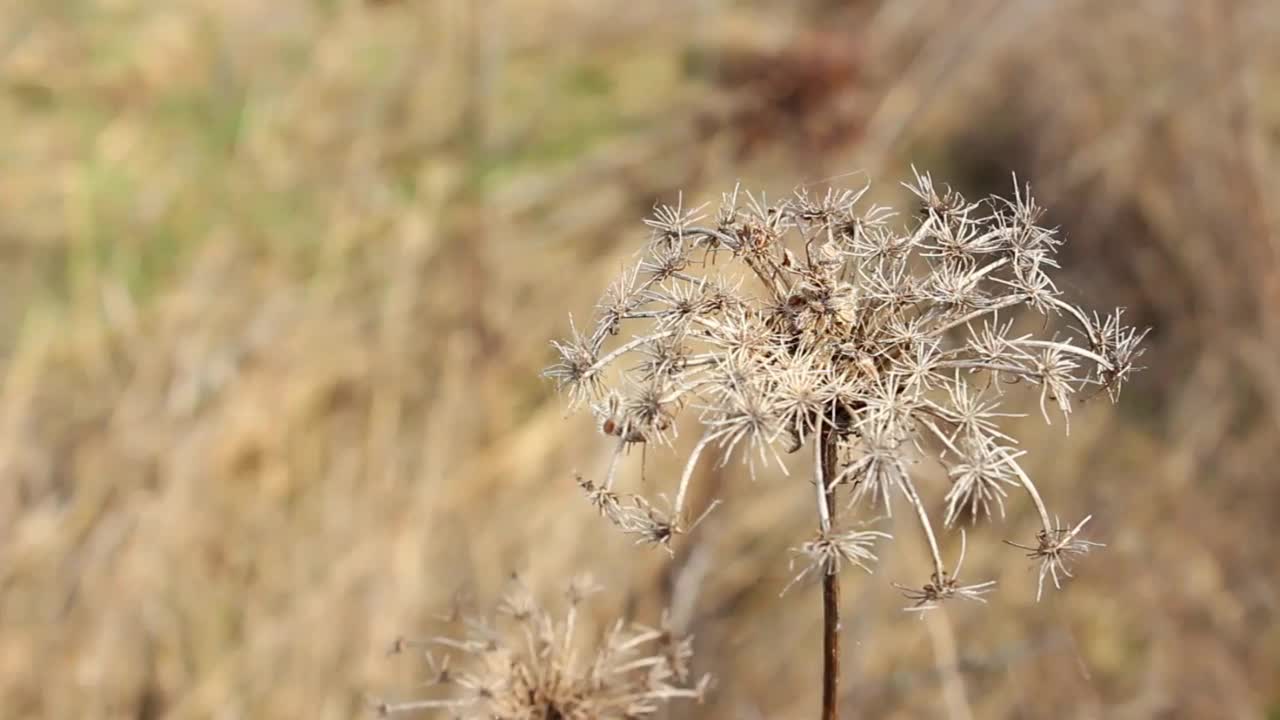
{"x":830,"y":595}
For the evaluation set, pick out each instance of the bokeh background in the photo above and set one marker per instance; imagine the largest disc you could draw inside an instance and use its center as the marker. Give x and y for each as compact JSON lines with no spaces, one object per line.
{"x":277,"y":280}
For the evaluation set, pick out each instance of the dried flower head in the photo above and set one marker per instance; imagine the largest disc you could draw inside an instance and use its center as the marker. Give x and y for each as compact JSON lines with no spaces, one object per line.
{"x":945,"y":586}
{"x":811,"y":322}
{"x":829,"y":551}
{"x":1054,"y":551}
{"x":526,"y":664}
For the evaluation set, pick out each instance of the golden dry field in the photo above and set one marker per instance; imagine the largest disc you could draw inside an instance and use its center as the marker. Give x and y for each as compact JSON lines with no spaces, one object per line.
{"x":278,"y":280}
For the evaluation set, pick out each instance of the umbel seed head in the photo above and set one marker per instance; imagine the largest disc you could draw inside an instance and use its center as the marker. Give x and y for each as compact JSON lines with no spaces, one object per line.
{"x":818,"y":320}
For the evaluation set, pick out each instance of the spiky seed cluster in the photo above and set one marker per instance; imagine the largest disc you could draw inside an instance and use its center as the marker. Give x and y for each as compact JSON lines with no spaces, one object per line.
{"x":526,"y":664}
{"x":811,"y":320}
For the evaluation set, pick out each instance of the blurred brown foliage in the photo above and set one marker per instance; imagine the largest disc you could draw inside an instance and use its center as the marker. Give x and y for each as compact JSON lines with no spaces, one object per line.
{"x":277,"y":279}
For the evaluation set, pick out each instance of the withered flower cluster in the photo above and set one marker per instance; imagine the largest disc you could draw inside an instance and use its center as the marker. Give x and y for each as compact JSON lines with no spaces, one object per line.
{"x":878,"y":342}
{"x":526,"y":664}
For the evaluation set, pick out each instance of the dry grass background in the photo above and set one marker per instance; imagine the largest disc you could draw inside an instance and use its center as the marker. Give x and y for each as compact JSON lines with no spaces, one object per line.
{"x":277,"y":279}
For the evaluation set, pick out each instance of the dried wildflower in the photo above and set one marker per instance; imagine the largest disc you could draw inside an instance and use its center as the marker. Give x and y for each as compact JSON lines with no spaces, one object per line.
{"x":978,"y":479}
{"x":1121,"y":345}
{"x":577,"y":370}
{"x":745,"y":416}
{"x":808,"y":321}
{"x":918,"y":367}
{"x":651,"y":524}
{"x":945,"y":586}
{"x":829,"y":551}
{"x":526,"y":664}
{"x":605,"y":501}
{"x":800,"y":384}
{"x":991,"y":344}
{"x":1054,"y":549}
{"x":648,"y":411}
{"x":876,"y":469}
{"x":662,"y":359}
{"x":671,"y":223}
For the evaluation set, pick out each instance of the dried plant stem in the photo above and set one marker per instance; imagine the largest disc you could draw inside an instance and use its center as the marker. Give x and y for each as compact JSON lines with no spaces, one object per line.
{"x":1035,"y":496}
{"x":830,"y":589}
{"x":1068,"y":348}
{"x":830,"y":645}
{"x":822,"y":482}
{"x":910,"y":491}
{"x":683,"y":490}
{"x":628,"y":347}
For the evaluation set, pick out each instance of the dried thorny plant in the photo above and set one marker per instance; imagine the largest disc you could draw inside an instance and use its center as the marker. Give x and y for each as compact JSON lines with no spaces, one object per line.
{"x":877,"y":342}
{"x":527,"y":664}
